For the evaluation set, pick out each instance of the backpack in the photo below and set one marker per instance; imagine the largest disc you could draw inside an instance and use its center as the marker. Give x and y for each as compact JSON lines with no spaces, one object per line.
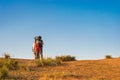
{"x":41,"y":43}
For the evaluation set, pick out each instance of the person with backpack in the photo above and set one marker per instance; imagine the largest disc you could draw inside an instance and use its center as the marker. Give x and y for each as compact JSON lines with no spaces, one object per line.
{"x":37,"y":47}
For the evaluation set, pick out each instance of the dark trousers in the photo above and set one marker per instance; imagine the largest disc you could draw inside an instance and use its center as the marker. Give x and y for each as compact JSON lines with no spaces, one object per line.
{"x":38,"y":54}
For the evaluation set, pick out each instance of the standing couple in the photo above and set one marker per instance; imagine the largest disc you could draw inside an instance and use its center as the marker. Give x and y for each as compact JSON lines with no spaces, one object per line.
{"x":37,"y":47}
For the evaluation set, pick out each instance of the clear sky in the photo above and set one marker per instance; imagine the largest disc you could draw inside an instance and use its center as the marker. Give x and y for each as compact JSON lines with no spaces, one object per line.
{"x":86,"y":29}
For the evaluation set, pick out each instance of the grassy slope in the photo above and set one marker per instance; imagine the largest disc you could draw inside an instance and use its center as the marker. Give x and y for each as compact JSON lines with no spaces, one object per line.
{"x":107,"y":69}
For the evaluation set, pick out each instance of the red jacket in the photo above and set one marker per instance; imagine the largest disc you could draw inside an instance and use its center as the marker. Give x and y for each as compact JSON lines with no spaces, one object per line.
{"x":37,"y":47}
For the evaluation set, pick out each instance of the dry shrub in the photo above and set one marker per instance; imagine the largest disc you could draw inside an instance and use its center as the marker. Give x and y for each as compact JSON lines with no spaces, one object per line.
{"x":3,"y":72}
{"x":12,"y":64}
{"x":23,"y":67}
{"x":65,"y":58}
{"x":48,"y":62}
{"x":108,"y":57}
{"x":1,"y":64}
{"x":7,"y":56}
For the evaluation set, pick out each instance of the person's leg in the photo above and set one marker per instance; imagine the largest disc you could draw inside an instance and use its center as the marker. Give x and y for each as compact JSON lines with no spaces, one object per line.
{"x":35,"y":54}
{"x":41,"y":54}
{"x":41,"y":49}
{"x":38,"y":55}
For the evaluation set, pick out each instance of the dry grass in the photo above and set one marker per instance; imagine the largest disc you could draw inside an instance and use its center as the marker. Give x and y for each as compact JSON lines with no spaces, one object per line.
{"x":48,"y":62}
{"x":106,"y":69}
{"x":3,"y":72}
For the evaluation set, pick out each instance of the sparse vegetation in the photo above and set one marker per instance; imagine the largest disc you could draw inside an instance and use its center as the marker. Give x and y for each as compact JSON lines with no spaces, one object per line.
{"x":1,"y":64}
{"x":108,"y":57}
{"x":48,"y":62}
{"x":3,"y":72}
{"x":61,"y":75}
{"x":7,"y":56}
{"x":7,"y":65}
{"x":12,"y":64}
{"x":48,"y":69}
{"x":65,"y":58}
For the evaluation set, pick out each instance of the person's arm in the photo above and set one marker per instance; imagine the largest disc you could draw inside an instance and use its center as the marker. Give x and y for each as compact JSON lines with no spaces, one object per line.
{"x":33,"y":47}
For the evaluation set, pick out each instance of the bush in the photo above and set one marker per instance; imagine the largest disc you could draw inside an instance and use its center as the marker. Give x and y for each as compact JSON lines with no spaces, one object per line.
{"x":108,"y":57}
{"x":48,"y":62}
{"x":7,"y":56}
{"x":12,"y":64}
{"x":65,"y":58}
{"x":4,"y":72}
{"x":1,"y":64}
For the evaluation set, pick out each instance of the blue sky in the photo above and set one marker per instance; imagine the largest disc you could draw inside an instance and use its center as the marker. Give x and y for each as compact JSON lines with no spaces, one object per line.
{"x":86,"y":29}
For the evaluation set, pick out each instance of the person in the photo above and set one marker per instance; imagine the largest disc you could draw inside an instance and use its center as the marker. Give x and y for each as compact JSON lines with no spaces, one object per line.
{"x":37,"y":47}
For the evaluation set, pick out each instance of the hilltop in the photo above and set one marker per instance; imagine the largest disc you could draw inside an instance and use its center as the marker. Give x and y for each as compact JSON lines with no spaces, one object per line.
{"x":105,"y":69}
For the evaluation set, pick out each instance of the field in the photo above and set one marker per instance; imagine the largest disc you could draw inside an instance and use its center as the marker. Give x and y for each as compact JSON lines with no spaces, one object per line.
{"x":104,"y":69}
